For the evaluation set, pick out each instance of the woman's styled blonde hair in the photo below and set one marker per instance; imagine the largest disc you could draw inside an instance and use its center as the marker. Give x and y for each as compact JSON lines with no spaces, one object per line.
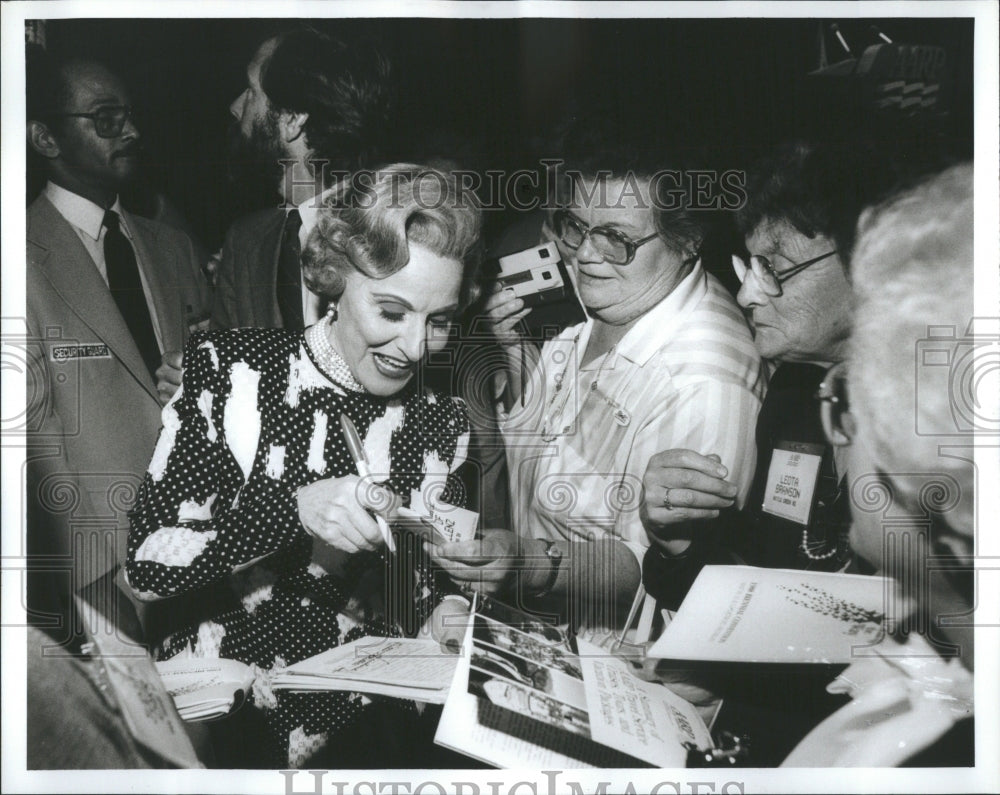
{"x":380,"y":214}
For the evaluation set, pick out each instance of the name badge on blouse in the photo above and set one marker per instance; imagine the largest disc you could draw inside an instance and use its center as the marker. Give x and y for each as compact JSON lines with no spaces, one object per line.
{"x":791,"y":480}
{"x":619,"y":413}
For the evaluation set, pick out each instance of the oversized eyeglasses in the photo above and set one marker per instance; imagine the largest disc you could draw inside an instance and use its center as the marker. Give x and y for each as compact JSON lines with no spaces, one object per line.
{"x":613,"y":246}
{"x":109,"y":121}
{"x":834,"y":406}
{"x":770,"y":279}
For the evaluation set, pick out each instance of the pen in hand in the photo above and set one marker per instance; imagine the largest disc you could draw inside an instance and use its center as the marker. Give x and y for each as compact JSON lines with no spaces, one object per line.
{"x":361,"y":464}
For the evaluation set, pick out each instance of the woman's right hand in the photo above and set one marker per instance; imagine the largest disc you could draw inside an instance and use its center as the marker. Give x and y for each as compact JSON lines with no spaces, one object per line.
{"x":504,"y":311}
{"x":336,"y":512}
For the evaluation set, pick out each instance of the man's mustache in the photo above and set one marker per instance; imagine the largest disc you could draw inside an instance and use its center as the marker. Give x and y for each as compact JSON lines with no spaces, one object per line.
{"x":129,"y":150}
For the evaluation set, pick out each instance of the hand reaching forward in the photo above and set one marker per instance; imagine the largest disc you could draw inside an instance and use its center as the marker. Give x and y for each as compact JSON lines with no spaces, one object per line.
{"x":168,"y":375}
{"x":681,"y":485}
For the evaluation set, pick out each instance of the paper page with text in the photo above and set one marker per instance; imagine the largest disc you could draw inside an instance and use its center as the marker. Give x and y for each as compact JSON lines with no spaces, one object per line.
{"x":750,"y":614}
{"x":415,"y":668}
{"x":645,"y":717}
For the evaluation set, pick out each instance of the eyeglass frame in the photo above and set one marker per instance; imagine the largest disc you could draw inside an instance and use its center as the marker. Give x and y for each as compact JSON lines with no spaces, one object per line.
{"x":780,"y":277}
{"x":93,"y":117}
{"x":631,"y":246}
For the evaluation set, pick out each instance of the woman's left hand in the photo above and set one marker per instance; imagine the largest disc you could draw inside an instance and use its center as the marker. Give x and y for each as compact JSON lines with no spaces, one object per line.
{"x":490,"y":565}
{"x":682,"y":485}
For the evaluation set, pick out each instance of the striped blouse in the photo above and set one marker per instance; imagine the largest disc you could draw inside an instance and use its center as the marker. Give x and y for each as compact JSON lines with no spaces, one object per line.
{"x":687,"y":375}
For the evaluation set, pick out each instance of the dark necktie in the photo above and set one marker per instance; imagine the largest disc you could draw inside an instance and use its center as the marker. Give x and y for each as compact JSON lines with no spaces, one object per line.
{"x":126,"y":289}
{"x":289,"y":281}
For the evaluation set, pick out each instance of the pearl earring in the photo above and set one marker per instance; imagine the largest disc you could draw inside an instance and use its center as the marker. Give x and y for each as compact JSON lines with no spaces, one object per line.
{"x":331,"y":313}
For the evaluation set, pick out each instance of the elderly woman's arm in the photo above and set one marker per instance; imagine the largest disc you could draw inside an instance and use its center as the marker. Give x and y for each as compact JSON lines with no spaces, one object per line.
{"x":504,"y":311}
{"x":700,"y":455}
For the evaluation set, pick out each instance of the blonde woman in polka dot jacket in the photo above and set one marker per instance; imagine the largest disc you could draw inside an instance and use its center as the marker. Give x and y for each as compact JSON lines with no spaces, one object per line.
{"x":251,"y":483}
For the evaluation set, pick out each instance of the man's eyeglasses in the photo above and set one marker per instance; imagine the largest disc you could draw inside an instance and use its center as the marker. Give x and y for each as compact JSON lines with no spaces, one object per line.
{"x":109,"y":121}
{"x":834,"y":406}
{"x":615,"y":247}
{"x":770,"y":279}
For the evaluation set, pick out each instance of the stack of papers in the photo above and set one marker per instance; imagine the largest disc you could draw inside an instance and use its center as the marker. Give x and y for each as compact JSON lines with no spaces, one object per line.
{"x":411,"y":668}
{"x":205,"y":688}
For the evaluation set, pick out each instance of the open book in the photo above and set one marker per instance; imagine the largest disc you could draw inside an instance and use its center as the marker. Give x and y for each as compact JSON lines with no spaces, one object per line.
{"x":413,"y":668}
{"x":527,"y":694}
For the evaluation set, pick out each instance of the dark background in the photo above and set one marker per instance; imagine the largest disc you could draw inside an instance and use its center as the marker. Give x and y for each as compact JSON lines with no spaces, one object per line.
{"x":487,"y":92}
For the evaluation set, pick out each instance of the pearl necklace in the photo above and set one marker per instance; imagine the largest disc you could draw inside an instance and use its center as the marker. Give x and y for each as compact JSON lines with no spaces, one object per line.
{"x":804,"y":546}
{"x":328,"y":359}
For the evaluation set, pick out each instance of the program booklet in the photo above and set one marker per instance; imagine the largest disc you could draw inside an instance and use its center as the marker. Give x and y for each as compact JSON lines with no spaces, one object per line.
{"x":747,"y":614}
{"x":136,"y":690}
{"x":528,"y":694}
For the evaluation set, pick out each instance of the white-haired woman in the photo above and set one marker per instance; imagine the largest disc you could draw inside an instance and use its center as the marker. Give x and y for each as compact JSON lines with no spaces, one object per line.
{"x":252,"y":482}
{"x":910,"y":455}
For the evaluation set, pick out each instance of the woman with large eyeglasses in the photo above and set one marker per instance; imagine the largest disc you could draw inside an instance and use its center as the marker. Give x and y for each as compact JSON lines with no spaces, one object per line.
{"x":664,"y":359}
{"x":802,"y":207}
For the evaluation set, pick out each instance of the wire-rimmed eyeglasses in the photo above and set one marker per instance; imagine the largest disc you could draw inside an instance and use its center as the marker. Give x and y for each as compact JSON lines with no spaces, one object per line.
{"x":770,"y":279}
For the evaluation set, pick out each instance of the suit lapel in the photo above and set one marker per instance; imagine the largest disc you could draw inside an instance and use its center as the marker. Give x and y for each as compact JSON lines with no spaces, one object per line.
{"x":62,"y":259}
{"x":266,"y":250}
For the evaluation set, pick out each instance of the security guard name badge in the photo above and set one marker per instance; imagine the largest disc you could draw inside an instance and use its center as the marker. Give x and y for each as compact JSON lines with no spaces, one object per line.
{"x":791,"y":480}
{"x":65,"y":353}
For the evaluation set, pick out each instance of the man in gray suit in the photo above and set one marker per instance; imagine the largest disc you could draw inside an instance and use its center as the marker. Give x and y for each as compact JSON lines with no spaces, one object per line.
{"x":107,"y":294}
